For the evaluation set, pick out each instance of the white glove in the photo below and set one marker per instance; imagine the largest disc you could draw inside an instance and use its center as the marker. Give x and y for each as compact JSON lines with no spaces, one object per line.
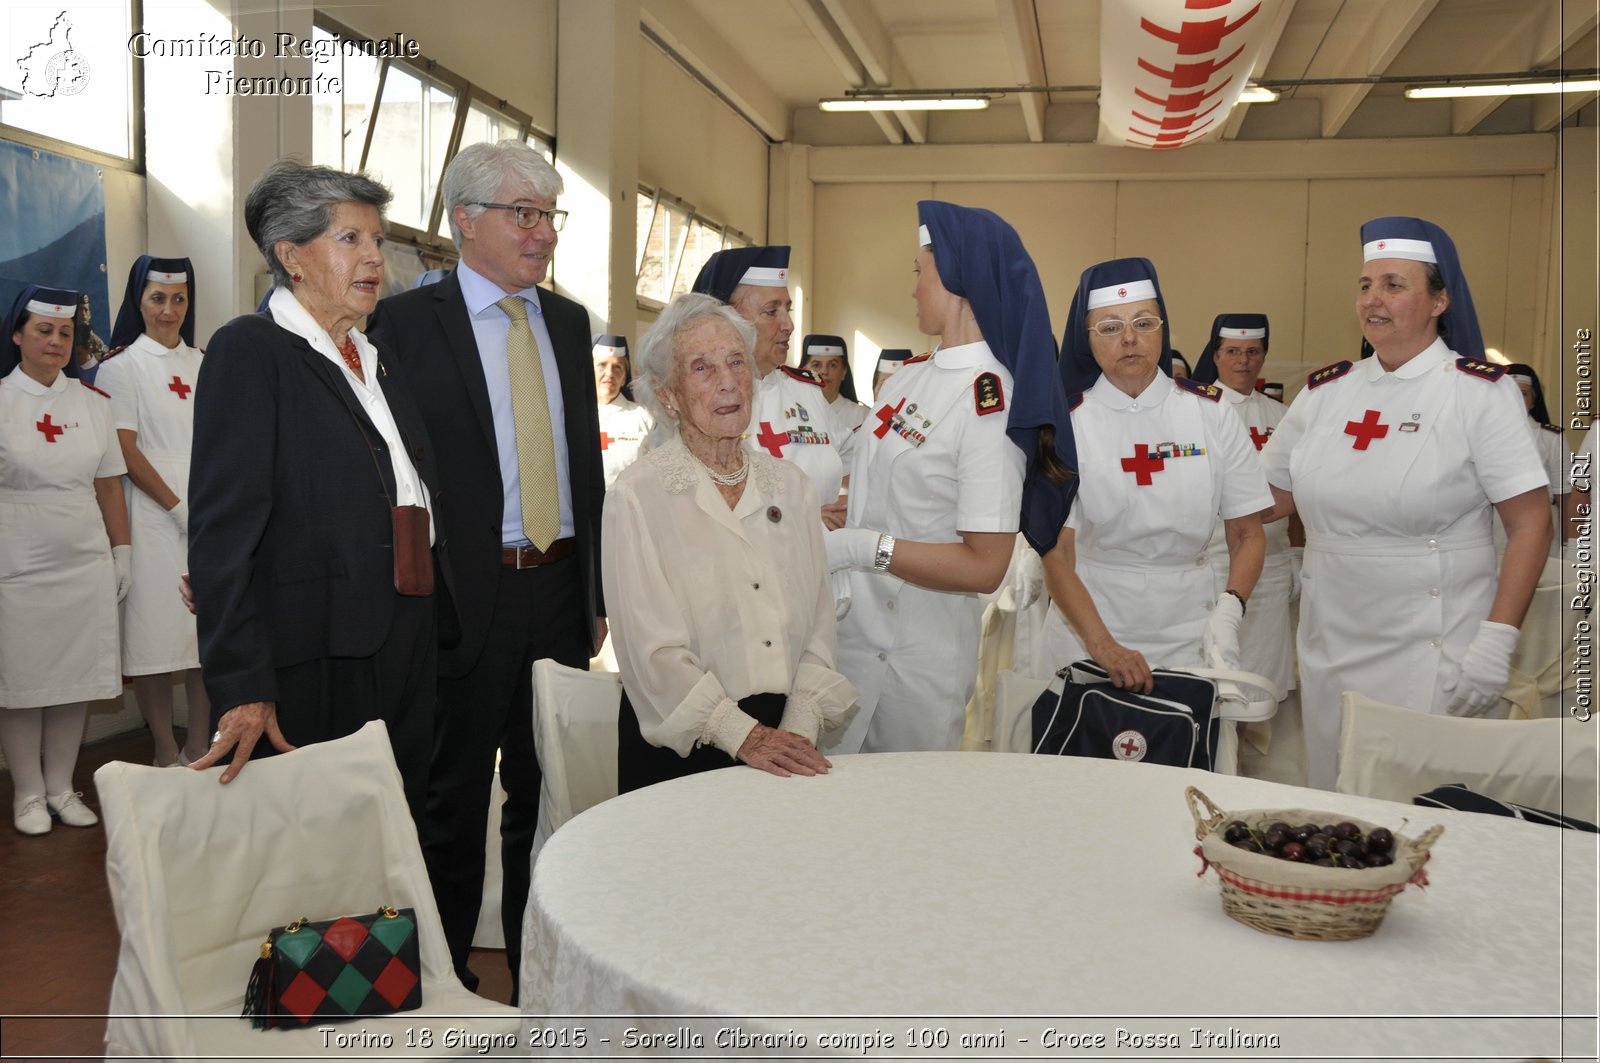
{"x":1219,"y":646}
{"x":122,"y":562}
{"x":1484,"y":671}
{"x":180,"y":516}
{"x":851,"y":548}
{"x":1297,"y":557}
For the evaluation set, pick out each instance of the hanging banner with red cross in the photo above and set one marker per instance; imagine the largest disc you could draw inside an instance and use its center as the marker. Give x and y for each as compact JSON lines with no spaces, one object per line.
{"x":1171,"y":71}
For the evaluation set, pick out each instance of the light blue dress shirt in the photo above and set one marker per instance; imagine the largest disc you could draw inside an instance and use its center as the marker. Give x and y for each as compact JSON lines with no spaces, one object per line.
{"x":490,"y":327}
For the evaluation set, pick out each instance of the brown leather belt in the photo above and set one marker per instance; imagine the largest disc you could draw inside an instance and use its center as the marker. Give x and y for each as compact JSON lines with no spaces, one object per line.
{"x":533,"y":557}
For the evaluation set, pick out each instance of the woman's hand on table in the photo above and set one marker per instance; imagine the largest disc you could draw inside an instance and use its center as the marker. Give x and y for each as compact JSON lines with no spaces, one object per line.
{"x":782,"y":753}
{"x":240,"y":728}
{"x":1127,"y":668}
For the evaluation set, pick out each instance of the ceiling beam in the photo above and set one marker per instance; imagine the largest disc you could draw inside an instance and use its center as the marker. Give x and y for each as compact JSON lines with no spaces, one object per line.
{"x":875,"y":49}
{"x":1269,"y":44}
{"x":1388,"y":31}
{"x":1019,"y":24}
{"x":826,"y":31}
{"x":699,"y":44}
{"x":1554,"y":26}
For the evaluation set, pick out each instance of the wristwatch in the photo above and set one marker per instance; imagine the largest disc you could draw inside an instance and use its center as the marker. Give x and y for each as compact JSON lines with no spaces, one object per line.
{"x":885,"y":553}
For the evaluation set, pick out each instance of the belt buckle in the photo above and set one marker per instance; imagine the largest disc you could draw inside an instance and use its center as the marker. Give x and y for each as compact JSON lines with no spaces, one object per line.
{"x":521,"y":550}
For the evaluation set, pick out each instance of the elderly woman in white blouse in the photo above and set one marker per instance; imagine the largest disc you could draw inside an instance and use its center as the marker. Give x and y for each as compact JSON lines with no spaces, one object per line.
{"x":715,"y":574}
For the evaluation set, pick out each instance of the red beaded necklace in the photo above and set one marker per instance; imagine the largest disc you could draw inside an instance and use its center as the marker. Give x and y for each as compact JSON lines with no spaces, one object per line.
{"x":347,"y":350}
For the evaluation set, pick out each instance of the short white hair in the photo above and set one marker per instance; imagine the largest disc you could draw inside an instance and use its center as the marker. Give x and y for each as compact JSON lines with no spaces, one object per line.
{"x":475,"y":175}
{"x":658,"y":346}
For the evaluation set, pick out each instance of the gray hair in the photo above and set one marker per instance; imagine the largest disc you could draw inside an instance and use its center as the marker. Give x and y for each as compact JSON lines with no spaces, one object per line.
{"x":294,"y":202}
{"x":475,"y":175}
{"x":658,"y":346}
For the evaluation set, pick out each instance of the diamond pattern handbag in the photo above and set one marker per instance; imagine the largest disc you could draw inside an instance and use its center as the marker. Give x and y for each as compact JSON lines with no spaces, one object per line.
{"x":337,"y":969}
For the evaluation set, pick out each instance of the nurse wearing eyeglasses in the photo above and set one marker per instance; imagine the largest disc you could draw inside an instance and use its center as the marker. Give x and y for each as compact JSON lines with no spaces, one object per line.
{"x":1160,"y":462}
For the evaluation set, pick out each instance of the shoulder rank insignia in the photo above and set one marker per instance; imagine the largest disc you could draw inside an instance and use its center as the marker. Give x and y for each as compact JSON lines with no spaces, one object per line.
{"x":94,"y":389}
{"x":918,"y":358}
{"x":1074,"y":401}
{"x":805,"y":376}
{"x":112,"y":353}
{"x":1327,"y":373}
{"x":1486,"y":370}
{"x":1551,"y":428}
{"x":1205,"y":391}
{"x":987,"y":394}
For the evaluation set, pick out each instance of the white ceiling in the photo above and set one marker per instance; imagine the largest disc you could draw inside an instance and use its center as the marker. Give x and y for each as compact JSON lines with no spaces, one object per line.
{"x":773,"y":59}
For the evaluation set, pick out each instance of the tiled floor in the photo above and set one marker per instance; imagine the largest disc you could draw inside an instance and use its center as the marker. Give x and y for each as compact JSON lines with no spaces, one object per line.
{"x":58,"y":950}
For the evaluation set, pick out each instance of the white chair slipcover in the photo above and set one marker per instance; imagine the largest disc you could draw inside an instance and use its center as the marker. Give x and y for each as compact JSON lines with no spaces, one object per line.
{"x":1396,"y":753}
{"x":575,"y":733}
{"x":199,"y":874}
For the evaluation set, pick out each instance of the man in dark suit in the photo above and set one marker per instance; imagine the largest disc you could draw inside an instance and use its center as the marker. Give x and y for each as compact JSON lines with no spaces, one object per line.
{"x":501,"y":371}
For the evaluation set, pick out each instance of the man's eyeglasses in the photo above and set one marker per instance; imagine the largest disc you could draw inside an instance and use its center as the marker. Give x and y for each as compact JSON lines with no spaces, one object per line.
{"x":529,"y":217}
{"x":1112,"y":327}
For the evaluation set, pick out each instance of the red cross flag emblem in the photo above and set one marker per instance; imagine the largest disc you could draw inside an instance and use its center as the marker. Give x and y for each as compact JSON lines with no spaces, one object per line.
{"x":1129,"y":745}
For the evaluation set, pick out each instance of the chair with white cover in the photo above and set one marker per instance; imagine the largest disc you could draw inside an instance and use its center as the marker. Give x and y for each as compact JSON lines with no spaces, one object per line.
{"x":1396,"y":753}
{"x":199,"y":874}
{"x":575,"y":733}
{"x":1543,"y":657}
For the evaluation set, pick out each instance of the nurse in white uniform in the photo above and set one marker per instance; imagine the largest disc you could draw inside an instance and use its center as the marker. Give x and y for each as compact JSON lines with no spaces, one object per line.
{"x":828,"y":359}
{"x":150,"y":375}
{"x":65,"y":561}
{"x":1161,"y":461}
{"x":1232,"y":360}
{"x":791,"y":419}
{"x":890,"y":361}
{"x":625,"y":426}
{"x":962,"y":448}
{"x":1395,"y":465}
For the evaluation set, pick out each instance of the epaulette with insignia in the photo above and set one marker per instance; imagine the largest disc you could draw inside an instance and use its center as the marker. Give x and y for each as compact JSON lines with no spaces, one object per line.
{"x":1486,"y":370}
{"x":1327,"y":373}
{"x":1074,"y":401}
{"x":92,"y":388}
{"x":112,"y":353}
{"x":1551,"y":428}
{"x":1194,"y":387}
{"x":987,"y":394}
{"x":918,"y":358}
{"x":805,"y":376}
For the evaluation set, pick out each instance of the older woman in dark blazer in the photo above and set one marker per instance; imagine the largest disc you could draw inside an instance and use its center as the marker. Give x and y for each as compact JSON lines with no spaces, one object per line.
{"x":310,"y":495}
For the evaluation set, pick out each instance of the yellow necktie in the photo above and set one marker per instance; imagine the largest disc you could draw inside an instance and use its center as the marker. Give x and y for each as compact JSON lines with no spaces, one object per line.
{"x":536,"y":450}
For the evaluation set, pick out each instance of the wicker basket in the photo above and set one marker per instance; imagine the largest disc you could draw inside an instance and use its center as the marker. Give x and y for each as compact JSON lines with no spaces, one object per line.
{"x":1299,"y":900}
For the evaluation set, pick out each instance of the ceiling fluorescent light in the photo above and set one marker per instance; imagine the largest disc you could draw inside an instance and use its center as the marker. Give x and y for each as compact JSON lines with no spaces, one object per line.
{"x":1524,"y":88}
{"x":905,"y":103}
{"x":1257,"y":94}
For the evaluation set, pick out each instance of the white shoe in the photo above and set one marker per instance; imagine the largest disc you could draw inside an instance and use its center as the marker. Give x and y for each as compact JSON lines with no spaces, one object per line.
{"x":70,"y":809}
{"x":31,"y":817}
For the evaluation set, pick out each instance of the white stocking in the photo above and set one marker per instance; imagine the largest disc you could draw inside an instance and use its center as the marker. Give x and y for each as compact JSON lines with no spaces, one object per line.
{"x":154,"y":695}
{"x":63,"y":735}
{"x":20,"y":738}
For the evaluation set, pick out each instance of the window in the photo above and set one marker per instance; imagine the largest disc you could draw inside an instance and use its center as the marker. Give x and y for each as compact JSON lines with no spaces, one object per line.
{"x":402,"y":121}
{"x":339,"y":121}
{"x":67,"y":75}
{"x":674,"y":242}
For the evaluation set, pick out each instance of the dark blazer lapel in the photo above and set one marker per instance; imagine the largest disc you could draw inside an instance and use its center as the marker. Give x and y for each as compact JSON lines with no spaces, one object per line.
{"x":325,"y":372}
{"x":456,"y":325}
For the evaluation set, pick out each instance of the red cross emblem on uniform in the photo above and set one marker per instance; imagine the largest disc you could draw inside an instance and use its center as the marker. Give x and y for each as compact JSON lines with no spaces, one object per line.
{"x":1366,"y":430}
{"x":773,"y":441}
{"x":605,"y":441}
{"x":1258,"y":437}
{"x":885,"y":415}
{"x":179,"y":388}
{"x":1382,"y":244}
{"x":1144,"y":465}
{"x":1122,"y":293}
{"x":50,"y":430}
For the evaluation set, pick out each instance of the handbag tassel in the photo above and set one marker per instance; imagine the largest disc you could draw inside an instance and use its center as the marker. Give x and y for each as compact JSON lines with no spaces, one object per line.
{"x":259,"y":993}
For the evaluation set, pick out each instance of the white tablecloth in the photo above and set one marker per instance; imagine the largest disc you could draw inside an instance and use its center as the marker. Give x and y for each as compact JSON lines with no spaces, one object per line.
{"x":972,"y":884}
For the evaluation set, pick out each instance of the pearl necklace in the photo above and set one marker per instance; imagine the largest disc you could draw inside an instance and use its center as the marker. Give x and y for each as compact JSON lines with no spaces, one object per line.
{"x":725,"y":479}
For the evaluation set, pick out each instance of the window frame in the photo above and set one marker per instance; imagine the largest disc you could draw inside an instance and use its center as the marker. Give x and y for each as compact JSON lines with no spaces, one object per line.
{"x":658,"y":197}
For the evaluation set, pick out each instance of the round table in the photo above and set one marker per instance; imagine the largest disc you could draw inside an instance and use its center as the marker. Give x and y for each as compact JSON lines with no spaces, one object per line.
{"x":985,"y":884}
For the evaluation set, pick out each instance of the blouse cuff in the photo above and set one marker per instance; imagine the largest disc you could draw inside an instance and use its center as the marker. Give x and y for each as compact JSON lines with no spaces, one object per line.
{"x":802,"y":715}
{"x":832,"y":695}
{"x":727,"y":727}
